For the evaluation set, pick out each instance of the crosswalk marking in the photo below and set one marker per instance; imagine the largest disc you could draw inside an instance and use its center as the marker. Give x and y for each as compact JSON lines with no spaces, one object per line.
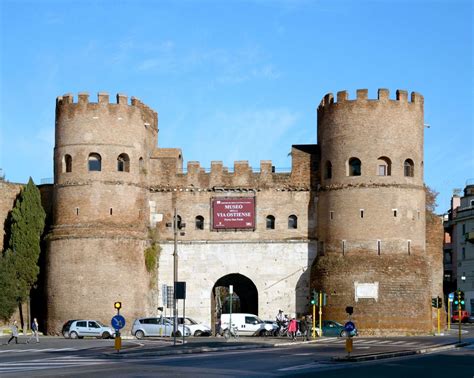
{"x":51,"y":363}
{"x":37,"y":350}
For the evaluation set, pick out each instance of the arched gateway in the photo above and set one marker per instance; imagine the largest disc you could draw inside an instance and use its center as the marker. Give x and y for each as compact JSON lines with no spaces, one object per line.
{"x":244,"y":297}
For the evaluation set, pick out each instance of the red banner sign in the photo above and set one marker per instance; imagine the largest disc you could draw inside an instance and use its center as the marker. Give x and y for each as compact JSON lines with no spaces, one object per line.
{"x":233,"y":213}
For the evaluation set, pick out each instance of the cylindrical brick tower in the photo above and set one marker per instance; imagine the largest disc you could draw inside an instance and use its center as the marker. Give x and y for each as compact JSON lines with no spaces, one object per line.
{"x":96,"y":248}
{"x":371,"y":212}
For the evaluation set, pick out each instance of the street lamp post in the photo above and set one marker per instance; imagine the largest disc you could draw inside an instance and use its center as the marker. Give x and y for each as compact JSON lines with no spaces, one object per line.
{"x":175,"y":274}
{"x":463,"y":279}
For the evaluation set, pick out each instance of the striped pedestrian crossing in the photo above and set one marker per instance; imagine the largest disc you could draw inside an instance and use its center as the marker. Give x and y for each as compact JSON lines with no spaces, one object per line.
{"x":50,"y":363}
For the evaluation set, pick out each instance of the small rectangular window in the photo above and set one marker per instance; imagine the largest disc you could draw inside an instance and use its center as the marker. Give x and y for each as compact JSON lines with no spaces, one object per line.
{"x":394,"y":212}
{"x":463,"y":253}
{"x":362,"y":213}
{"x":77,"y":211}
{"x":463,"y":229}
{"x":379,"y":246}
{"x":331,"y":215}
{"x":110,"y":211}
{"x":343,"y":247}
{"x":409,"y":246}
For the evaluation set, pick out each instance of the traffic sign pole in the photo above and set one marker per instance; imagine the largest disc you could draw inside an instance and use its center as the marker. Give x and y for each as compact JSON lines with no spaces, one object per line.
{"x":320,"y":314}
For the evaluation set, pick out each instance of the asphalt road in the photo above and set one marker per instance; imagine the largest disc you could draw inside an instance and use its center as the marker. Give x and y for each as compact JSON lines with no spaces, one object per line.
{"x":211,"y":357}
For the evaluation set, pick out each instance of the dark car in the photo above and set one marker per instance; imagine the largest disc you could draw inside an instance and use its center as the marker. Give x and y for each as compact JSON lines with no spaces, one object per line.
{"x":332,"y":328}
{"x":66,"y":327}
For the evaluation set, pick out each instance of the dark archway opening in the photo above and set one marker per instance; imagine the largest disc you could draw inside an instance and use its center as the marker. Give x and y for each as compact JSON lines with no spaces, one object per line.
{"x":244,"y":299}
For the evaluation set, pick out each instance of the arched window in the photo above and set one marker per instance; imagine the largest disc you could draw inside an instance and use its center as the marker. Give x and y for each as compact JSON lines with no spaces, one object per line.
{"x":270,"y":220}
{"x":123,"y":163}
{"x":95,"y":162}
{"x":384,"y":166}
{"x":67,"y":163}
{"x":328,"y":170}
{"x":292,"y":222}
{"x":199,"y":222}
{"x":141,"y":165}
{"x":355,"y":167}
{"x":409,"y":168}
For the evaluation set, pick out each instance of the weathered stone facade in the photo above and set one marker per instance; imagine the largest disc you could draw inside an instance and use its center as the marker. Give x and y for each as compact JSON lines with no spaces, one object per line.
{"x":113,"y":185}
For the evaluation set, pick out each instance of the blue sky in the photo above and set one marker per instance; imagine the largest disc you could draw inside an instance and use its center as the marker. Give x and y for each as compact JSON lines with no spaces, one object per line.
{"x":236,"y":80}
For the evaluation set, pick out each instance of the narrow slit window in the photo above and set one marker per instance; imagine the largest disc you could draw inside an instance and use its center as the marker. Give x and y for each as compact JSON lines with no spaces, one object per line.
{"x":270,"y":222}
{"x":409,"y":246}
{"x":199,"y":222}
{"x":110,"y":211}
{"x":77,"y":211}
{"x":343,"y":247}
{"x":395,"y":212}
{"x":293,"y":222}
{"x":67,"y":167}
{"x":409,"y":168}
{"x":362,"y":213}
{"x":331,"y":215}
{"x":379,"y":246}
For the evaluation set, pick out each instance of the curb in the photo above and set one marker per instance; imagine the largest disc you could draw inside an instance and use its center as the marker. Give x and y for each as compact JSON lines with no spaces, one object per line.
{"x":131,"y":353}
{"x":401,"y":353}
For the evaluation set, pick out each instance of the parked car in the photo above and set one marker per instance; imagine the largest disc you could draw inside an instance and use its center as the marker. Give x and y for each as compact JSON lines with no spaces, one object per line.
{"x":247,"y":324}
{"x":332,"y":328}
{"x":78,"y":329}
{"x":157,"y":326}
{"x":274,"y":330}
{"x":66,"y":326}
{"x":196,"y":328}
{"x":464,"y":316}
{"x":470,"y":319}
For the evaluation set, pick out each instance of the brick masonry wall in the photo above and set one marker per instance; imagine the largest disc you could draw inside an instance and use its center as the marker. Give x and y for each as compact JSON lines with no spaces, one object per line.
{"x":403,"y":304}
{"x":8,"y":194}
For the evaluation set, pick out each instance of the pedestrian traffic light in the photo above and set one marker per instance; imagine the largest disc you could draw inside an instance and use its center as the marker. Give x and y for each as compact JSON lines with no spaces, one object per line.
{"x":118,"y":305}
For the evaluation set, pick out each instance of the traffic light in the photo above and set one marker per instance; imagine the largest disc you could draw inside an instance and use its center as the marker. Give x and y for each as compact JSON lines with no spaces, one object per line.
{"x":440,"y":302}
{"x":434,"y":302}
{"x":314,"y":298}
{"x":350,"y":310}
{"x":461,"y":297}
{"x":118,"y":305}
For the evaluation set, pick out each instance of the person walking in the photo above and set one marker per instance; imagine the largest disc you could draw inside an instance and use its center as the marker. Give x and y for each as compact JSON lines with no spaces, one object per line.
{"x":14,"y":328}
{"x":34,"y":330}
{"x":293,"y":327}
{"x":304,"y":328}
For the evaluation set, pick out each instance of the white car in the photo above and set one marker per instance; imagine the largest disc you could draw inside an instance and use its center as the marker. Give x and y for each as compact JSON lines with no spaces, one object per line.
{"x":246,"y":324}
{"x":88,"y":328}
{"x":154,"y":326}
{"x":196,"y":328}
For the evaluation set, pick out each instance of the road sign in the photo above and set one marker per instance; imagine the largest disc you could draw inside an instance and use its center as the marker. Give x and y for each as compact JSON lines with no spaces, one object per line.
{"x":349,"y":327}
{"x":118,"y":322}
{"x":451,"y":296}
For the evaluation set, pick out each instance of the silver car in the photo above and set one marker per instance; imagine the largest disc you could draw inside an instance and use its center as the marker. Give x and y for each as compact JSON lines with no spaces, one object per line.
{"x":156,"y":326}
{"x":88,"y":328}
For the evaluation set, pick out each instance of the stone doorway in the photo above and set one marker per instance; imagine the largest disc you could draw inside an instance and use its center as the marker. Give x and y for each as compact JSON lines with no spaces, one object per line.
{"x":244,"y":298}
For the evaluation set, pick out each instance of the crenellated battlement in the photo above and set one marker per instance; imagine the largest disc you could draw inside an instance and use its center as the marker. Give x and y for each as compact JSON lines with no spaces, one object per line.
{"x":362,"y":96}
{"x":103,"y":100}
{"x":241,"y":176}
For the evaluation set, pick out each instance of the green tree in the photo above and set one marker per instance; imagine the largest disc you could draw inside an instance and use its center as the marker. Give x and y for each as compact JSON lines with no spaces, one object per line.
{"x":20,"y":261}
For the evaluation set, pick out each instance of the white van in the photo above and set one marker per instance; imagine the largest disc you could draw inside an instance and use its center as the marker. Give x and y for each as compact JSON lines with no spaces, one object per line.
{"x":247,"y":324}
